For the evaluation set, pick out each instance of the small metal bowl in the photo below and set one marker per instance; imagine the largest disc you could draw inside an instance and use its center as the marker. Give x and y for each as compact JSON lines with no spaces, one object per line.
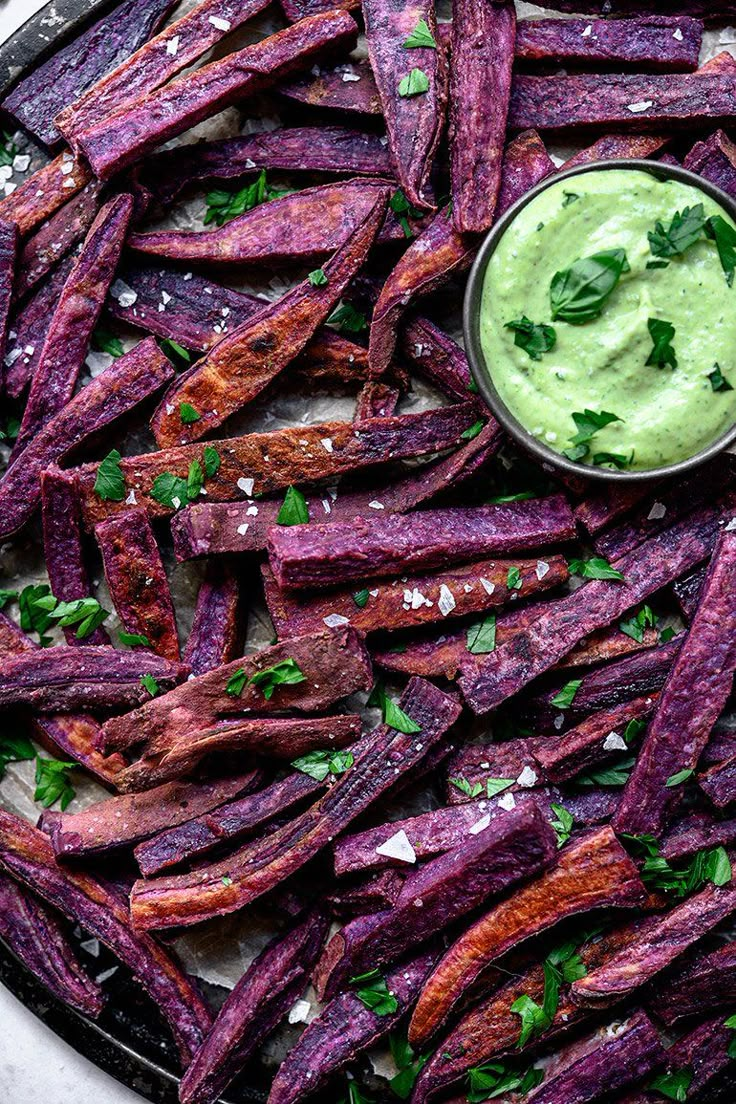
{"x":482,"y":374}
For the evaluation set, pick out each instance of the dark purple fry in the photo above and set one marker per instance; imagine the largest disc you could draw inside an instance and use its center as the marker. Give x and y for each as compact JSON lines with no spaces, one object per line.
{"x":127,"y":382}
{"x":376,"y":400}
{"x":154,"y":63}
{"x":211,"y":528}
{"x":660,"y":43}
{"x":214,"y":637}
{"x":508,"y":760}
{"x":721,"y":746}
{"x":28,"y":328}
{"x":63,"y":547}
{"x":266,"y":463}
{"x":437,"y":357}
{"x":651,"y":566}
{"x":710,"y":10}
{"x":696,"y":832}
{"x":56,"y":237}
{"x":715,"y":160}
{"x":674,"y":100}
{"x":137,"y":581}
{"x":332,"y":149}
{"x":515,"y":847}
{"x":657,"y":943}
{"x":350,"y":87}
{"x":34,"y":934}
{"x":617,"y":146}
{"x":27,"y":855}
{"x":257,"y":1004}
{"x":37,"y":99}
{"x":696,"y":691}
{"x":344,"y":1030}
{"x":594,"y":741}
{"x":330,"y":554}
{"x":117,"y":142}
{"x":75,"y":316}
{"x":411,"y":600}
{"x":483,"y":37}
{"x":334,"y":663}
{"x":67,"y":679}
{"x":43,"y":192}
{"x":381,"y":759}
{"x":247,"y":360}
{"x":439,"y":251}
{"x":124,"y":820}
{"x":376,"y":893}
{"x":300,"y":9}
{"x":706,"y":1051}
{"x":592,"y":872}
{"x":707,"y":982}
{"x":228,"y":822}
{"x":687,"y":591}
{"x":8,"y":259}
{"x":414,"y":123}
{"x":719,"y":783}
{"x":606,"y":505}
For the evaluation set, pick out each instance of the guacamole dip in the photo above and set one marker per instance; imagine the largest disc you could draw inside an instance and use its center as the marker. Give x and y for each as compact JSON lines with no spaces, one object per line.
{"x":610,"y":295}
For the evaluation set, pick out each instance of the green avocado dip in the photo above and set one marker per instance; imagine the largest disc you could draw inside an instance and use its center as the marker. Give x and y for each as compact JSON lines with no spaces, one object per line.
{"x":608,"y":319}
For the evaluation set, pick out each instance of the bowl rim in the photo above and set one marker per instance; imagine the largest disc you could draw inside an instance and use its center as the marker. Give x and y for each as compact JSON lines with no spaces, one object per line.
{"x":471,"y":327}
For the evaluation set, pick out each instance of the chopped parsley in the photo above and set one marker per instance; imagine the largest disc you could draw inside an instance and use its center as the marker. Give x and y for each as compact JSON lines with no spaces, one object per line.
{"x":678,"y":778}
{"x":393,"y":715}
{"x":579,"y":293}
{"x":7,"y":596}
{"x":212,"y":461}
{"x":35,"y":603}
{"x":188,"y":414}
{"x":731,"y":1023}
{"x":420,"y":38}
{"x":134,"y":639}
{"x":174,"y":351}
{"x":286,"y":672}
{"x":317,"y":277}
{"x":513,"y":579}
{"x":149,"y":683}
{"x":636,"y":626}
{"x":562,"y":823}
{"x":662,"y":334}
{"x":495,"y":786}
{"x":8,"y":149}
{"x":170,"y":490}
{"x":403,"y":209}
{"x":465,"y":787}
{"x":415,"y":83}
{"x":563,"y":965}
{"x":361,"y":598}
{"x":319,"y":764}
{"x":481,"y":636}
{"x":717,"y":379}
{"x":348,"y":319}
{"x":566,"y":696}
{"x":674,"y":1085}
{"x":719,"y":231}
{"x":53,"y":783}
{"x":372,"y":991}
{"x":223,"y":205}
{"x":110,"y":481}
{"x":294,"y":509}
{"x":472,"y":431}
{"x":14,"y":749}
{"x":105,"y":342}
{"x":595,"y":568}
{"x":614,"y":459}
{"x":684,"y":230}
{"x":494,"y":1079}
{"x":86,"y":613}
{"x":236,"y":683}
{"x":588,"y":423}
{"x":534,"y":338}
{"x":710,"y":865}
{"x":407,"y":1063}
{"x":616,"y":775}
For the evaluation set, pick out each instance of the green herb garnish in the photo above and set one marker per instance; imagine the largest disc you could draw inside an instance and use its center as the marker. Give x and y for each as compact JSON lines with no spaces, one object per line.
{"x":149,"y":683}
{"x":636,"y":626}
{"x":494,"y":1079}
{"x":420,"y":38}
{"x":402,"y":208}
{"x":294,"y":509}
{"x":133,"y":639}
{"x":562,"y":823}
{"x":286,"y":672}
{"x":566,"y":696}
{"x":719,"y":231}
{"x":188,"y":414}
{"x":393,"y":715}
{"x":317,"y":277}
{"x":535,"y":339}
{"x":579,"y":293}
{"x":348,"y":319}
{"x":14,"y":749}
{"x":361,"y":598}
{"x":223,"y":205}
{"x":373,"y":992}
{"x":53,"y":783}
{"x":105,"y":342}
{"x":595,"y":568}
{"x":110,"y":481}
{"x":414,"y":83}
{"x":685,"y":229}
{"x":318,"y":764}
{"x":481,"y":636}
{"x":718,"y":381}
{"x":662,"y":334}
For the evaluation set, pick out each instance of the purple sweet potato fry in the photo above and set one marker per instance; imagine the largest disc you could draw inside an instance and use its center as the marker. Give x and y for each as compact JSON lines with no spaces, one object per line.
{"x":300,"y":9}
{"x":333,"y":662}
{"x":707,"y":982}
{"x":696,"y":691}
{"x":214,"y":637}
{"x":687,"y":591}
{"x":67,"y":679}
{"x":33,"y":933}
{"x":154,"y":63}
{"x":651,"y":566}
{"x":56,"y":237}
{"x":617,"y":146}
{"x":439,"y":251}
{"x":265,"y":463}
{"x":124,"y":138}
{"x":37,"y":99}
{"x":27,"y":855}
{"x":344,"y":1029}
{"x":661,"y":43}
{"x":257,"y":1004}
{"x":125,"y":820}
{"x":375,"y":893}
{"x":229,"y":821}
{"x":349,"y":87}
{"x":137,"y":582}
{"x":719,"y":783}
{"x":330,"y":554}
{"x":696,"y":832}
{"x":706,"y":1052}
{"x":63,"y":547}
{"x":704,"y":9}
{"x":483,"y":37}
{"x":245,"y":361}
{"x":593,"y":741}
{"x":411,"y":600}
{"x":28,"y":328}
{"x":75,"y":317}
{"x":381,"y":760}
{"x":605,"y":505}
{"x":127,"y":382}
{"x":715,"y":160}
{"x":43,"y":192}
{"x":8,"y":258}
{"x":437,"y":357}
{"x":656,"y":944}
{"x":376,"y":400}
{"x":593,"y":871}
{"x":512,"y":848}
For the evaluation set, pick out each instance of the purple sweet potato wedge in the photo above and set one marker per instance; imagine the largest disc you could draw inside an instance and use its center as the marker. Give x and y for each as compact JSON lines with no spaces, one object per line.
{"x":137,"y":582}
{"x":483,"y":38}
{"x":376,"y":893}
{"x":687,"y":591}
{"x":704,"y":9}
{"x":298,"y":226}
{"x":75,"y":317}
{"x":653,"y":565}
{"x":114,"y":143}
{"x":410,"y":601}
{"x":27,"y":855}
{"x":694,"y":695}
{"x":437,"y":357}
{"x":56,"y":237}
{"x":333,"y":149}
{"x":511,"y":849}
{"x":617,"y":146}
{"x":8,"y":258}
{"x":602,"y":507}
{"x":214,"y":637}
{"x":440,"y":251}
{"x":245,"y":361}
{"x":594,"y":741}
{"x":660,"y":43}
{"x":28,"y":328}
{"x":381,"y":760}
{"x":257,"y":1004}
{"x":656,"y":944}
{"x":707,"y":982}
{"x":706,"y":1052}
{"x":714,"y":159}
{"x":376,"y":400}
{"x":211,"y":528}
{"x":329,"y":554}
{"x":719,"y":783}
{"x":349,"y":87}
{"x":37,"y":99}
{"x":44,"y":192}
{"x":35,"y":935}
{"x":334,"y":663}
{"x":66,"y":679}
{"x":592,"y":872}
{"x":342,"y":1031}
{"x":412,"y":87}
{"x":230,"y":821}
{"x":154,"y":63}
{"x":63,"y":547}
{"x":265,"y":463}
{"x":126,"y":383}
{"x":124,"y":820}
{"x":696,"y":832}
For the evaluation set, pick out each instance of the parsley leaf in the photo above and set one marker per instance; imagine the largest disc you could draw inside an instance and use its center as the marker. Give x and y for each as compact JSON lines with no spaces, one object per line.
{"x":662,"y":334}
{"x":170,"y":490}
{"x":393,"y":715}
{"x":294,"y":510}
{"x":87,"y":613}
{"x":481,"y":636}
{"x":348,"y":319}
{"x":472,"y":431}
{"x":579,"y":293}
{"x":35,"y":603}
{"x":719,"y":231}
{"x":588,"y":423}
{"x":106,"y":342}
{"x":174,"y":351}
{"x":636,"y":625}
{"x":414,"y":83}
{"x":496,"y":786}
{"x":462,"y":784}
{"x":407,"y":1063}
{"x":617,"y":775}
{"x":188,"y":414}
{"x":7,"y":596}
{"x":420,"y":37}
{"x":709,"y":865}
{"x":685,"y":229}
{"x":563,"y":965}
{"x":52,"y":782}
{"x":401,"y":207}
{"x":132,"y":639}
{"x":678,"y":778}
{"x":8,"y":149}
{"x":374,"y":993}
{"x":212,"y":461}
{"x":286,"y":672}
{"x":717,"y":379}
{"x":14,"y":749}
{"x":223,"y":205}
{"x":317,"y":277}
{"x":673,"y":1085}
{"x":533,"y":338}
{"x":595,"y":568}
{"x":513,"y":579}
{"x":494,"y":1079}
{"x":614,"y":459}
{"x":562,"y":823}
{"x":110,"y":482}
{"x":566,"y":696}
{"x":149,"y":683}
{"x":361,"y":598}
{"x":318,"y":764}
{"x":236,"y":683}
